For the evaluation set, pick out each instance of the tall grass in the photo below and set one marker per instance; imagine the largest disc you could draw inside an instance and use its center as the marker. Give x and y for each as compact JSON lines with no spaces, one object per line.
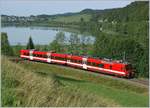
{"x":83,"y":75}
{"x":122,"y":92}
{"x":23,"y":87}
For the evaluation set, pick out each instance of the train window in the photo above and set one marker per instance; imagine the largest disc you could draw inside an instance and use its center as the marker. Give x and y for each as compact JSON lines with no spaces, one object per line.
{"x":128,"y":67}
{"x":53,"y":57}
{"x":44,"y":56}
{"x":73,"y":60}
{"x":84,"y":62}
{"x":122,"y":68}
{"x":26,"y":53}
{"x":94,"y":64}
{"x":101,"y":65}
{"x":59,"y":58}
{"x":110,"y":66}
{"x":76,"y":61}
{"x":89,"y":63}
{"x":79,"y":61}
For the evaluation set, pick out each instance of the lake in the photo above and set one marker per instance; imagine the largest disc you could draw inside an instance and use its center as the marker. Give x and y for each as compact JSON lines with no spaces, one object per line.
{"x":40,"y":35}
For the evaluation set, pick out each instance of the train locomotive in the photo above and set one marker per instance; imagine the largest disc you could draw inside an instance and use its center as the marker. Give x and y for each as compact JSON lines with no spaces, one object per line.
{"x":106,"y":66}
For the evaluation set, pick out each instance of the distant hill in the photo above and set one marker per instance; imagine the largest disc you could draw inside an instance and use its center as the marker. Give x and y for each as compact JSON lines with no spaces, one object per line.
{"x":134,"y":12}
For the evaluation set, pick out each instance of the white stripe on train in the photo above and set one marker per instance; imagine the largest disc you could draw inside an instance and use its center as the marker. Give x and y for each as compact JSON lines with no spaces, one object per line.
{"x":60,"y":61}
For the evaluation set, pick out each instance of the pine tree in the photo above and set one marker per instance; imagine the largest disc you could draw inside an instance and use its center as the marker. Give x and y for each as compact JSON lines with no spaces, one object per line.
{"x":6,"y":49}
{"x":30,"y":44}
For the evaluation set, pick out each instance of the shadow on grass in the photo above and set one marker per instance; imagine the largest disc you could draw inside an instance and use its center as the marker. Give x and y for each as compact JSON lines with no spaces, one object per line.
{"x":41,"y":73}
{"x":68,"y":79}
{"x":58,"y":76}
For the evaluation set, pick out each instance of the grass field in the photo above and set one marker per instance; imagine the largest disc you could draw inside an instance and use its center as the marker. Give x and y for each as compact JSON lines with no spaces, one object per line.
{"x":40,"y":84}
{"x":73,"y":18}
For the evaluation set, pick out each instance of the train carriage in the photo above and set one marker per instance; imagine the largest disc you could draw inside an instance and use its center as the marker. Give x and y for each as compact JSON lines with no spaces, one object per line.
{"x":58,"y":58}
{"x":75,"y":61}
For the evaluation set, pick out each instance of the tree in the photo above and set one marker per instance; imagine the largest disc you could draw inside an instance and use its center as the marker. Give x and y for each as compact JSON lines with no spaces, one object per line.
{"x":17,"y":49}
{"x":30,"y":44}
{"x":6,"y":49}
{"x":83,"y":45}
{"x":82,"y":25}
{"x":82,"y":19}
{"x":60,"y":38}
{"x":101,"y":46}
{"x":55,"y":46}
{"x":58,"y":43}
{"x":74,"y":42}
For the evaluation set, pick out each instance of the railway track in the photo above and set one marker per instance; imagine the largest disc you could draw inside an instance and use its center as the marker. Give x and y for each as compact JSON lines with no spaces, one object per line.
{"x":140,"y":82}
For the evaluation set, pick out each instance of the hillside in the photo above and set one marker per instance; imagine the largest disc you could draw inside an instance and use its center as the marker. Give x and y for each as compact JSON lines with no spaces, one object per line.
{"x":136,"y":11}
{"x":23,"y":87}
{"x":69,"y":19}
{"x":39,"y":84}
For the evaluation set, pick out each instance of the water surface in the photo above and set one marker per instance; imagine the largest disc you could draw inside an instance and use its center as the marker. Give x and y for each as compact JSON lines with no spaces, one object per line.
{"x":40,"y":35}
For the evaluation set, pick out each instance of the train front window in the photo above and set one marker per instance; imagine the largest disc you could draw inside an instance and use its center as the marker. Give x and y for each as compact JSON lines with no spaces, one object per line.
{"x":128,"y":67}
{"x":26,"y":53}
{"x":110,"y":67}
{"x":101,"y":65}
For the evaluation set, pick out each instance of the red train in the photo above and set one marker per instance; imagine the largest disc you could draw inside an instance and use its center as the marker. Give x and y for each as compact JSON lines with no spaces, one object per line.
{"x":116,"y":67}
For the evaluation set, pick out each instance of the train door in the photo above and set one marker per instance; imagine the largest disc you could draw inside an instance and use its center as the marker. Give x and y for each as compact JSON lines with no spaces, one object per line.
{"x":49,"y":57}
{"x":84,"y":62}
{"x":31,"y":54}
{"x":68,"y":59}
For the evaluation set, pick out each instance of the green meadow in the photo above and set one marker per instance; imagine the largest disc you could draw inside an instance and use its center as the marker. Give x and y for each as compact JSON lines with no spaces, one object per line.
{"x":39,"y":84}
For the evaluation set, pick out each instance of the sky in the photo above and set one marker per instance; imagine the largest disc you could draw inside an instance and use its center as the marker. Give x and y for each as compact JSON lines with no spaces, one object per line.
{"x":51,"y":7}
